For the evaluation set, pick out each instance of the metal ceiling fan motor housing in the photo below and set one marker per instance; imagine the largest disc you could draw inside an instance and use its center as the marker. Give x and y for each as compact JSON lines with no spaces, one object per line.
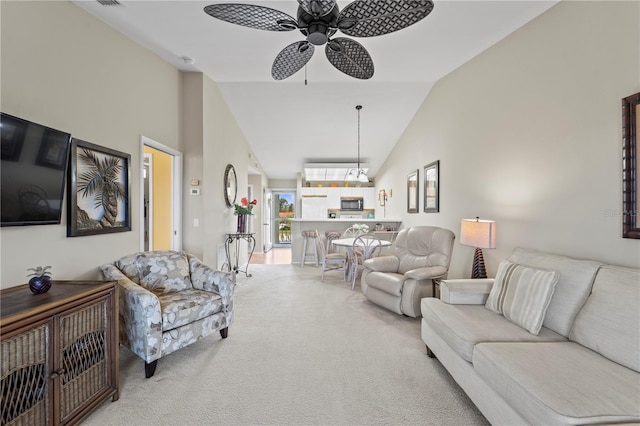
{"x":318,"y":29}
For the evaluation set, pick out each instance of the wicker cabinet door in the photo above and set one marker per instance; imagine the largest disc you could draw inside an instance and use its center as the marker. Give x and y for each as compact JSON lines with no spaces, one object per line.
{"x":84,"y":353}
{"x":24,"y":383}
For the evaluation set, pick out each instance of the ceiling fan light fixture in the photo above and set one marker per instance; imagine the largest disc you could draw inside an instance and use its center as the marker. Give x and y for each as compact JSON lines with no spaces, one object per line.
{"x":318,"y":34}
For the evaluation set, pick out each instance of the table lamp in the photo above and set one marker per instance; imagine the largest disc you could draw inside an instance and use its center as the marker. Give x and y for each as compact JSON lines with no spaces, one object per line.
{"x":479,"y":234}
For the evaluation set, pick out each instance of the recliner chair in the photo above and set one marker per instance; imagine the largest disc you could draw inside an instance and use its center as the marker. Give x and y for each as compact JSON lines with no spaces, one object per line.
{"x":400,"y":281}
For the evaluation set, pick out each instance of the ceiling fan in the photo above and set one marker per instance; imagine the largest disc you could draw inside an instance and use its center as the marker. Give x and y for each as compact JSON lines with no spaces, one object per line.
{"x":318,"y":21}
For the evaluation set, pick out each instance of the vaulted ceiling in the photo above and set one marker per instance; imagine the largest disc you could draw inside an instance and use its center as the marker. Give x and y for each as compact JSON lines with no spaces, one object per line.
{"x":290,"y":122}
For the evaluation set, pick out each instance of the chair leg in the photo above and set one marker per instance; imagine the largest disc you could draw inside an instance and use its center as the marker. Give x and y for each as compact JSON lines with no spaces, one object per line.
{"x":224,"y":332}
{"x":150,"y":368}
{"x":304,"y":252}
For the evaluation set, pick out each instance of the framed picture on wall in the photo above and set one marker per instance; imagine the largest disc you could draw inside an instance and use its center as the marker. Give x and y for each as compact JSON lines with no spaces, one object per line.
{"x":98,"y":194}
{"x":412,"y":192}
{"x":630,"y":166}
{"x":431,"y":187}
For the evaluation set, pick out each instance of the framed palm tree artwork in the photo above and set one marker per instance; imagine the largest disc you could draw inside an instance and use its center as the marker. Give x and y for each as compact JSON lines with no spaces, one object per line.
{"x":98,"y":191}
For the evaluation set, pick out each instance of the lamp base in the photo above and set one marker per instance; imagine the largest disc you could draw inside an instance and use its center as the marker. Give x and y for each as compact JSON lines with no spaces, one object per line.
{"x":478,"y":270}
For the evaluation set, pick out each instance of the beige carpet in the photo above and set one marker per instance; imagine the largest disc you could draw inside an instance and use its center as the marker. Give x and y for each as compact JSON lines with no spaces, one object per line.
{"x":300,"y":352}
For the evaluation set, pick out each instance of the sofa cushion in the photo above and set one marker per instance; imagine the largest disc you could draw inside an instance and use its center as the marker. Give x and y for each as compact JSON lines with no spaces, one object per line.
{"x":387,"y":282}
{"x":164,"y":271}
{"x":187,"y":306}
{"x":609,"y":322}
{"x":128,"y":265}
{"x":559,"y":383}
{"x":522,"y":294}
{"x":572,"y":289}
{"x":463,"y":326}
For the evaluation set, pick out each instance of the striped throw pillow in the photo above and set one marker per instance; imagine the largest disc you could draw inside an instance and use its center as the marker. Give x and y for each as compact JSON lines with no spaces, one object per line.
{"x":522,"y":294}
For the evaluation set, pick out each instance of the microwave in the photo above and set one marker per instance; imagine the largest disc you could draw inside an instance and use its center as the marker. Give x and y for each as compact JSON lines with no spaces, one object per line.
{"x":352,"y":204}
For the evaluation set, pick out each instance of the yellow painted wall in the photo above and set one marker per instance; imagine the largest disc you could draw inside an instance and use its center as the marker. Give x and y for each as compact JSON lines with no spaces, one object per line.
{"x":161,"y":207}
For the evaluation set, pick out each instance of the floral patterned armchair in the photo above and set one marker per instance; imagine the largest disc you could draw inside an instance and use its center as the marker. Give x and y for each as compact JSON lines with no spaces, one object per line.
{"x":168,"y":300}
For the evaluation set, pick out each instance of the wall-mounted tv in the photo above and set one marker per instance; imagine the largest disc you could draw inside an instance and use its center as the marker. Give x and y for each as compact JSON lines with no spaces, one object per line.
{"x":33,"y":170}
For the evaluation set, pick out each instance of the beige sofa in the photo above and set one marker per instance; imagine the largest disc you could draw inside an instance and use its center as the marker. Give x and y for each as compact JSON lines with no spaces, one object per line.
{"x":582,"y":367}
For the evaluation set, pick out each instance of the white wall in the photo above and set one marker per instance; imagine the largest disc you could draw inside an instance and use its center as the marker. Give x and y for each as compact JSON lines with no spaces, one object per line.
{"x":529,"y":134}
{"x":63,"y":68}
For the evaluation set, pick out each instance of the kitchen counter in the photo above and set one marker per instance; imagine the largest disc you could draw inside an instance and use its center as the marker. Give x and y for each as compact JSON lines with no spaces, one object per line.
{"x":323,"y":225}
{"x":349,"y":220}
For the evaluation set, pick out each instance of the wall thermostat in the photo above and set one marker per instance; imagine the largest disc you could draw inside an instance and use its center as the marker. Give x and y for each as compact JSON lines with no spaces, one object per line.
{"x":195,"y":191}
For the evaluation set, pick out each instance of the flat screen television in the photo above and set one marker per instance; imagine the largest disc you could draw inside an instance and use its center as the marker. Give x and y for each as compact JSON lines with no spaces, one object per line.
{"x":33,"y":171}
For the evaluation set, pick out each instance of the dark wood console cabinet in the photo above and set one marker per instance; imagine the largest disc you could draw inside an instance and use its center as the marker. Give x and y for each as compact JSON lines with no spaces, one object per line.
{"x":58,"y":352}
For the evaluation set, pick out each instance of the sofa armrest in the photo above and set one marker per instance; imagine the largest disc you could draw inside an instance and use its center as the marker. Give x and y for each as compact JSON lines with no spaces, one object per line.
{"x":206,"y":278}
{"x":382,"y":264}
{"x":465,"y":291}
{"x":140,"y":316}
{"x":426,"y":273}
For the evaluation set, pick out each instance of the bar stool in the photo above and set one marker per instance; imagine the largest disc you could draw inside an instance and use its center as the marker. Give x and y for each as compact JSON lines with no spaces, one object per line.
{"x":309,"y":235}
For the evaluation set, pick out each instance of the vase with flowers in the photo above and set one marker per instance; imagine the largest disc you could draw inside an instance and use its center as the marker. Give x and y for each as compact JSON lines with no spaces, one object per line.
{"x":243,"y":210}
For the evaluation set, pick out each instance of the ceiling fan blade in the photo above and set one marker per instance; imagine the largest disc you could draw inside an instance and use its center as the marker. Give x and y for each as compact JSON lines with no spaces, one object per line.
{"x":350,"y":57}
{"x":317,"y":7}
{"x":291,"y":59}
{"x":252,"y":16}
{"x":368,"y":18}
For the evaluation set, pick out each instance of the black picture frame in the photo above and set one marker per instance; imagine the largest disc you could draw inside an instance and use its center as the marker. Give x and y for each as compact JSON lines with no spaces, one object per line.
{"x":12,"y":138}
{"x":94,"y":208}
{"x":53,"y":150}
{"x":630,"y":181}
{"x":432,"y":187}
{"x":413,"y":196}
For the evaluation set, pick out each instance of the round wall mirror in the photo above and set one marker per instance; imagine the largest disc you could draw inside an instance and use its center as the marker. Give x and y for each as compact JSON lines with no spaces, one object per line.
{"x":230,"y":185}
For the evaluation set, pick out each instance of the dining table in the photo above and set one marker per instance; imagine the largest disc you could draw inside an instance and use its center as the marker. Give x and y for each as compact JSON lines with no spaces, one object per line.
{"x":367,"y":251}
{"x":348,"y":243}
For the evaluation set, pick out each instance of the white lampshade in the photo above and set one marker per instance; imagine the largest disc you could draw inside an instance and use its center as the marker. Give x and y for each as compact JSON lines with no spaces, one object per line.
{"x":478,"y":233}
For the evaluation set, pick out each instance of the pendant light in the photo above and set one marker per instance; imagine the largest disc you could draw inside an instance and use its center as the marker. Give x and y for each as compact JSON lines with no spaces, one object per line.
{"x":359,"y":174}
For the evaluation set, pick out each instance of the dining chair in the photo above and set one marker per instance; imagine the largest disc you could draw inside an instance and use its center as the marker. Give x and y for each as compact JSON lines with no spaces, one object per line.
{"x":331,"y":261}
{"x":364,"y":247}
{"x":351,"y":232}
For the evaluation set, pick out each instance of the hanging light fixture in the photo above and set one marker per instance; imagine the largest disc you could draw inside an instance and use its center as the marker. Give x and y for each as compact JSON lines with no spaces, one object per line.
{"x":358,"y":174}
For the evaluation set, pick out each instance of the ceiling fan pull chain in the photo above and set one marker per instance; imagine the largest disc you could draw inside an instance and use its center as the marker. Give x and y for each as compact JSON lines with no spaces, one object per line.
{"x":305,"y":74}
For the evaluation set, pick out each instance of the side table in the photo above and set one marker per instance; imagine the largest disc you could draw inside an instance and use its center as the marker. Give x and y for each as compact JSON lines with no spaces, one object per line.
{"x":233,"y":240}
{"x":435,"y":283}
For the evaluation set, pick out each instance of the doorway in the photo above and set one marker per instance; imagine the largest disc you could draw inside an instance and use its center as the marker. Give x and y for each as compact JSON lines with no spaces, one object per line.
{"x":283,"y":210}
{"x":267,"y":234}
{"x":161,"y":197}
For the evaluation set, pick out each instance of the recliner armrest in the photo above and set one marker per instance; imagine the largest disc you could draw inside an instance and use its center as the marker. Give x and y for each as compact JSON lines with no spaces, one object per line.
{"x":382,"y":264}
{"x":465,"y":291}
{"x":426,"y":273}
